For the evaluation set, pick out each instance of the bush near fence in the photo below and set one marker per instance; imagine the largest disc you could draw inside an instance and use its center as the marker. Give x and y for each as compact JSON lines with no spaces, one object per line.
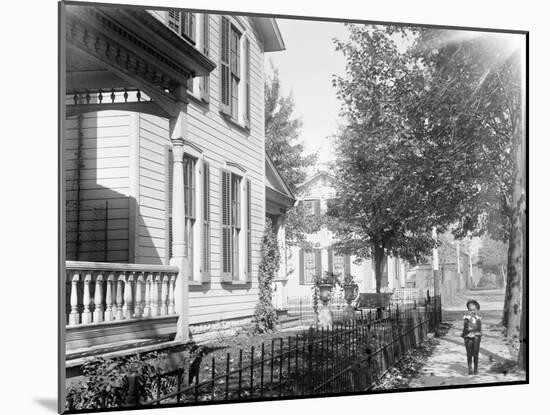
{"x":351,"y":357}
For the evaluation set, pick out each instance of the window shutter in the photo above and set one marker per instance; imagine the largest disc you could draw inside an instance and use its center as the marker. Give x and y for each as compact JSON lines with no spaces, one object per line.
{"x":249,"y":231}
{"x":170,"y":177}
{"x":247,"y":81}
{"x":226,"y":251}
{"x":225,"y":77}
{"x":330,"y":254}
{"x":317,"y":208}
{"x":318,"y":263}
{"x":347,"y":265}
{"x":302,"y":266}
{"x":174,"y":21}
{"x":205,"y":80}
{"x":206,"y":222}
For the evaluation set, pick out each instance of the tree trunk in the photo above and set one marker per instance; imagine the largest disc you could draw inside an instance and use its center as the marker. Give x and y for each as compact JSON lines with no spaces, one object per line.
{"x":515,"y":248}
{"x":378,"y":259}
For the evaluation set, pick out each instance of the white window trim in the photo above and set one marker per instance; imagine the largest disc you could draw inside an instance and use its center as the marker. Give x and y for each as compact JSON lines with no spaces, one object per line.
{"x":245,"y":34}
{"x":243,"y":259}
{"x":197,"y":228}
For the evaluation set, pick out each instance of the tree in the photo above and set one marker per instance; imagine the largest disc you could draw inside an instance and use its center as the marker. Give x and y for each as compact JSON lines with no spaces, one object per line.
{"x":282,"y":131}
{"x":440,"y":113}
{"x":493,"y":258}
{"x":473,"y":105}
{"x":382,"y":206}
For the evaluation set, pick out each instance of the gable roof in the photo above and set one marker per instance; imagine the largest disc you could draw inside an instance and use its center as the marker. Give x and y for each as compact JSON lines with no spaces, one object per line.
{"x":317,"y":175}
{"x":276,"y":184}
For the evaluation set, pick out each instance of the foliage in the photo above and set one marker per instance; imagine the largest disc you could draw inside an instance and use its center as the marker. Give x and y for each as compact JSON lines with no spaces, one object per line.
{"x":349,"y":279}
{"x":327,"y":278}
{"x":265,"y":316}
{"x":492,"y":255}
{"x":298,"y":224}
{"x":382,"y":206}
{"x":281,"y":134}
{"x":105,"y":383}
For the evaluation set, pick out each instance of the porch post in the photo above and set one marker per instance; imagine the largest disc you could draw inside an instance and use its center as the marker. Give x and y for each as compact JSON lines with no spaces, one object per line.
{"x":178,"y":133}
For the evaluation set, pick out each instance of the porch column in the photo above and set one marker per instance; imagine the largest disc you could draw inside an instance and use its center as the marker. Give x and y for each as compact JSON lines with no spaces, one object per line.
{"x":178,"y":133}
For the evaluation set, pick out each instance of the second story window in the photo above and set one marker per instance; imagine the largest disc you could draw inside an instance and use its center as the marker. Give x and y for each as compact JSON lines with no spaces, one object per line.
{"x":183,"y":23}
{"x":234,"y":72}
{"x":235,"y":58}
{"x":312,"y":207}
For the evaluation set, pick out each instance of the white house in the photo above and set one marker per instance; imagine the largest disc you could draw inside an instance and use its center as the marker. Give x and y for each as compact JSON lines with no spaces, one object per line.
{"x":166,"y":180}
{"x":303,"y":264}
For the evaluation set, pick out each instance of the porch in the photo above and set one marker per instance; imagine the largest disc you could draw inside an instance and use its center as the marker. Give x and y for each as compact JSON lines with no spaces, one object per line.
{"x":127,"y":60}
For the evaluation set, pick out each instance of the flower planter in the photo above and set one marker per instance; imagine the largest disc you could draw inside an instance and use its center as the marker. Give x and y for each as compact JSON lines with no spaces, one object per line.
{"x":324,"y":292}
{"x":350,"y":292}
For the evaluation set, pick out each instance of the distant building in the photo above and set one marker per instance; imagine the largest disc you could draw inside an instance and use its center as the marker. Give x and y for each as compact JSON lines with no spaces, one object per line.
{"x":303,"y":263}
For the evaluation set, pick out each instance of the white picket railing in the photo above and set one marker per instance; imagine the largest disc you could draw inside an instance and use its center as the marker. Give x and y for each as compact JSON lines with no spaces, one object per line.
{"x":102,"y":291}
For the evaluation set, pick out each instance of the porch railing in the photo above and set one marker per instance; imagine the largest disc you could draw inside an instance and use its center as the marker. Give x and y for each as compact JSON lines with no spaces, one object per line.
{"x":102,"y":291}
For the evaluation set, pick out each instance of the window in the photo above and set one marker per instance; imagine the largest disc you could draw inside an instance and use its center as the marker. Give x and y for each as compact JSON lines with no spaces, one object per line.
{"x":312,"y":207}
{"x":235,"y":223}
{"x":195,"y":28}
{"x":183,"y":23}
{"x":234,"y":72}
{"x":310,"y":265}
{"x":190,"y":211}
{"x":188,"y":26}
{"x":339,"y":263}
{"x":236,"y":227}
{"x":206,"y":222}
{"x":189,"y":186}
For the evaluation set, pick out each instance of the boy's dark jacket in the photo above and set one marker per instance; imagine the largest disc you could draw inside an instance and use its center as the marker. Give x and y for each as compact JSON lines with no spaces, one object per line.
{"x":471,"y":328}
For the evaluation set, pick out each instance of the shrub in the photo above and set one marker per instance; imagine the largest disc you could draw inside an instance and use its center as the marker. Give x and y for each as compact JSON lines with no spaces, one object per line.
{"x":265,"y":316}
{"x":105,"y":383}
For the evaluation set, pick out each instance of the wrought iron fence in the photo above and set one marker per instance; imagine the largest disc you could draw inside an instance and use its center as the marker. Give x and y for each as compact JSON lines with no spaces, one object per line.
{"x":351,"y":357}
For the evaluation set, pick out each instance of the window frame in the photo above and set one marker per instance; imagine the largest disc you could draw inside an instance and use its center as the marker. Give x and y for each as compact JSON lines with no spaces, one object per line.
{"x":236,"y":106}
{"x":237,"y":271}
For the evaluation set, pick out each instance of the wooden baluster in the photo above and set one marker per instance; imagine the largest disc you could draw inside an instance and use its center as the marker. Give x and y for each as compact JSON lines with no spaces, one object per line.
{"x":87,"y":97}
{"x":75,"y":98}
{"x":86,"y":313}
{"x":139,"y":305}
{"x":119,"y":290}
{"x":138,"y":95}
{"x":98,"y":299}
{"x":147,"y":308}
{"x":100,"y":96}
{"x":171,"y":298}
{"x":128,"y":307}
{"x":156,"y":300}
{"x":109,"y":312}
{"x":125,"y":95}
{"x":164,"y":296}
{"x":113,"y":96}
{"x":74,"y":317}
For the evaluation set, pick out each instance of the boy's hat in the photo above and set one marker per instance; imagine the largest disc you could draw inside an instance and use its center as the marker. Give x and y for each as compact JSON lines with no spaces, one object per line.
{"x":474,"y":302}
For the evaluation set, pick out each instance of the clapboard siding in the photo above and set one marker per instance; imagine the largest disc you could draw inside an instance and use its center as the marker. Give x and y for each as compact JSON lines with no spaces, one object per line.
{"x":97,"y":186}
{"x":123,"y":161}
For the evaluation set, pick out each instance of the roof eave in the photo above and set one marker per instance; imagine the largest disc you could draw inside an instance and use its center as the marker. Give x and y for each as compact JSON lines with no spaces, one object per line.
{"x":271,"y":35}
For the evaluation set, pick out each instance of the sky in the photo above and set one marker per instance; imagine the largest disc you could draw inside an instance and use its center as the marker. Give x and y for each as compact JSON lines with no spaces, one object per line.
{"x":306,"y":69}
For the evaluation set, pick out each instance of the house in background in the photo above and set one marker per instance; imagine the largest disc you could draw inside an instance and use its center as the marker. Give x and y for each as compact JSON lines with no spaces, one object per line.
{"x":167,"y":184}
{"x":304,"y":263}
